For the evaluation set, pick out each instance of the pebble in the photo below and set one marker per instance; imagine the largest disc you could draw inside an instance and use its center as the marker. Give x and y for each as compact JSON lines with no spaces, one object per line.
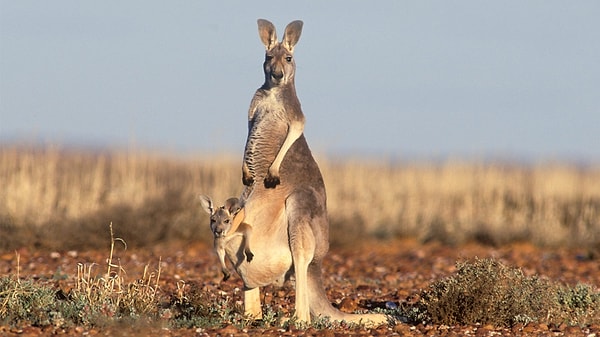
{"x":391,"y":305}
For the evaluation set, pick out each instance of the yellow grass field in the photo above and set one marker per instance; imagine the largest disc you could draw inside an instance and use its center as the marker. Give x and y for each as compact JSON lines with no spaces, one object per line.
{"x":53,"y":197}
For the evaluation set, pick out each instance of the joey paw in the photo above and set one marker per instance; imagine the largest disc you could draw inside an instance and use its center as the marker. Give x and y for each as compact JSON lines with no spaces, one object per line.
{"x":249,"y":256}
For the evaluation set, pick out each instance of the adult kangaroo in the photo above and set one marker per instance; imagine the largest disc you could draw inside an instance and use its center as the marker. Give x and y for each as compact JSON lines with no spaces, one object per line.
{"x":287,"y":209}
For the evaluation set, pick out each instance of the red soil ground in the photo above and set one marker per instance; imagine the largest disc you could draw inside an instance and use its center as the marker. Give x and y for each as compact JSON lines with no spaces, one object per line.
{"x":362,"y":277}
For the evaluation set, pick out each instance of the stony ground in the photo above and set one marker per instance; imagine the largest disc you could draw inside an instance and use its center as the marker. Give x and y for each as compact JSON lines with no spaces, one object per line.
{"x":361,"y":277}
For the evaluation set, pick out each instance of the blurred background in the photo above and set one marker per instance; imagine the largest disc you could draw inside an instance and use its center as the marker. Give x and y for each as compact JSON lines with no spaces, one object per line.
{"x":403,"y":79}
{"x":448,"y":121}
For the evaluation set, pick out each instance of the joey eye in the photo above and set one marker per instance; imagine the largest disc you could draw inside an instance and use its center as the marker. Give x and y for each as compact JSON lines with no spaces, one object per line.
{"x":288,"y":58}
{"x":268,"y":57}
{"x":226,"y":221}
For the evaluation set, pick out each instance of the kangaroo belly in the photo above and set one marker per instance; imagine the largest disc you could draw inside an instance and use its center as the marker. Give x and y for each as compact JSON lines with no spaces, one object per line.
{"x":270,"y":263}
{"x":269,"y":242}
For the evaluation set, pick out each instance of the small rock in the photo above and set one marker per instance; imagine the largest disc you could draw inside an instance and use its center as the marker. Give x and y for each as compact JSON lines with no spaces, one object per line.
{"x":72,"y":253}
{"x":327,"y":333}
{"x":529,"y":328}
{"x":391,"y":305}
{"x":229,"y":329}
{"x":348,"y":305}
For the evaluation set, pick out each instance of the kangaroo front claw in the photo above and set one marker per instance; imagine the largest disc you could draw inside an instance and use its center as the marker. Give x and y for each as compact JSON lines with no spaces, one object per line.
{"x":247,"y":176}
{"x":226,"y":275}
{"x":271,"y":181}
{"x":249,"y":256}
{"x":247,"y":180}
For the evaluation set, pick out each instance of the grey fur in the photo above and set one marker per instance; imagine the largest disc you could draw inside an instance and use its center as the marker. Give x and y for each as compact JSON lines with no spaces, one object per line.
{"x":275,"y":118}
{"x":289,"y":223}
{"x":221,"y":222}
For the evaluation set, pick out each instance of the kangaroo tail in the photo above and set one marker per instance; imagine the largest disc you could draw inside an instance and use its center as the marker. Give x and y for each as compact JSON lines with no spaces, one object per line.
{"x":320,"y":305}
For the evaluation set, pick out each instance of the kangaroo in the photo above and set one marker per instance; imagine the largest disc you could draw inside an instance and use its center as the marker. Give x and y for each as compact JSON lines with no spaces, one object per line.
{"x":290,"y":227}
{"x":274,"y":106}
{"x":223,"y":227}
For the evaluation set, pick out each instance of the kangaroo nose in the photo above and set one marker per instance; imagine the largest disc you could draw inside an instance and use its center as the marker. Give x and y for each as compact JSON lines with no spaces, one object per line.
{"x":277,"y":75}
{"x":218,"y":231}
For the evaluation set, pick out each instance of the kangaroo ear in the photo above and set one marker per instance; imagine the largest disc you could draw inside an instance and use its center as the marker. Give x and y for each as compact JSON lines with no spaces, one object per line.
{"x":267,"y":33}
{"x":207,"y":204}
{"x":233,"y":205}
{"x":292,"y":35}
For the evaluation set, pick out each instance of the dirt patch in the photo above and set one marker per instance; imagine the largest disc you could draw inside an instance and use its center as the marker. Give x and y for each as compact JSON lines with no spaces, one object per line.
{"x":367,"y":276}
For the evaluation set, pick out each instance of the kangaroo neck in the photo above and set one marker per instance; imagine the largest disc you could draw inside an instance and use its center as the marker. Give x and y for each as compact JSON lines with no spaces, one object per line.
{"x":283,"y":93}
{"x":290,"y":86}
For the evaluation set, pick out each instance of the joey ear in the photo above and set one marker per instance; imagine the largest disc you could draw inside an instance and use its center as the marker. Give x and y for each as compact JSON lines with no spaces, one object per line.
{"x":292,"y":35}
{"x":207,"y":204}
{"x":233,"y":205}
{"x":267,"y":33}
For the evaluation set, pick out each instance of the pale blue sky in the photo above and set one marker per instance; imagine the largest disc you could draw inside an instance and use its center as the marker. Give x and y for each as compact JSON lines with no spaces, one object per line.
{"x":427,"y":79}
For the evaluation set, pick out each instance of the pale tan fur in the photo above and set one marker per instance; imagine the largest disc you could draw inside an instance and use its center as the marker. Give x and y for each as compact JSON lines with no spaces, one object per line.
{"x":224,"y":228}
{"x":290,"y":227}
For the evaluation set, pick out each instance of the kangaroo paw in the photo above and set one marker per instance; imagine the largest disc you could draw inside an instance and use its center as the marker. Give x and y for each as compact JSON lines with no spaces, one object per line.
{"x":249,"y":256}
{"x":247,"y":180}
{"x":226,"y":275}
{"x":271,"y":181}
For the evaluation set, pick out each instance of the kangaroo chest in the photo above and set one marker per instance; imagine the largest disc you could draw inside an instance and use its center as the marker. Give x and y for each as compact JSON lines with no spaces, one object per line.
{"x":268,"y":127}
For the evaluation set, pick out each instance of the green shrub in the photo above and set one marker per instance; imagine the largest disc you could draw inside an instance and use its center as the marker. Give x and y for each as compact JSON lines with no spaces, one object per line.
{"x":580,"y":304}
{"x":25,"y":302}
{"x":488,"y":292}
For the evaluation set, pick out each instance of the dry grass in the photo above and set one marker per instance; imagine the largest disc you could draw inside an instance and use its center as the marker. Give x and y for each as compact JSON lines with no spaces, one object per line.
{"x":455,"y":202}
{"x":51,"y":195}
{"x":109,"y":295}
{"x":97,"y":299}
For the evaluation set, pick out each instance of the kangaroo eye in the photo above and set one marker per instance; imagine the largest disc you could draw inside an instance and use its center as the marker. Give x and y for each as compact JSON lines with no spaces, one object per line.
{"x":288,"y":58}
{"x":226,"y":221}
{"x":269,"y":57}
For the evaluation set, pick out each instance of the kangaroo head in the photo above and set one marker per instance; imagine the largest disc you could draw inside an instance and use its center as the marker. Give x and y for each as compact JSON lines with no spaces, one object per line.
{"x":221,"y":219}
{"x":279,"y":66}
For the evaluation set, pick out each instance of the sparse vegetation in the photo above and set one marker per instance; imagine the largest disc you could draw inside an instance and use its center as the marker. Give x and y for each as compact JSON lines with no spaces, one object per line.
{"x":27,"y":302}
{"x":108,"y":295}
{"x":479,"y":292}
{"x":489,"y":292}
{"x":95,"y":300}
{"x":108,"y":299}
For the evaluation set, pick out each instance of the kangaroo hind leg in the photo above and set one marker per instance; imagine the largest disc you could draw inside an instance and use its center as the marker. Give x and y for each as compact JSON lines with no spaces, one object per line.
{"x":247,"y":232}
{"x":302,"y":245}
